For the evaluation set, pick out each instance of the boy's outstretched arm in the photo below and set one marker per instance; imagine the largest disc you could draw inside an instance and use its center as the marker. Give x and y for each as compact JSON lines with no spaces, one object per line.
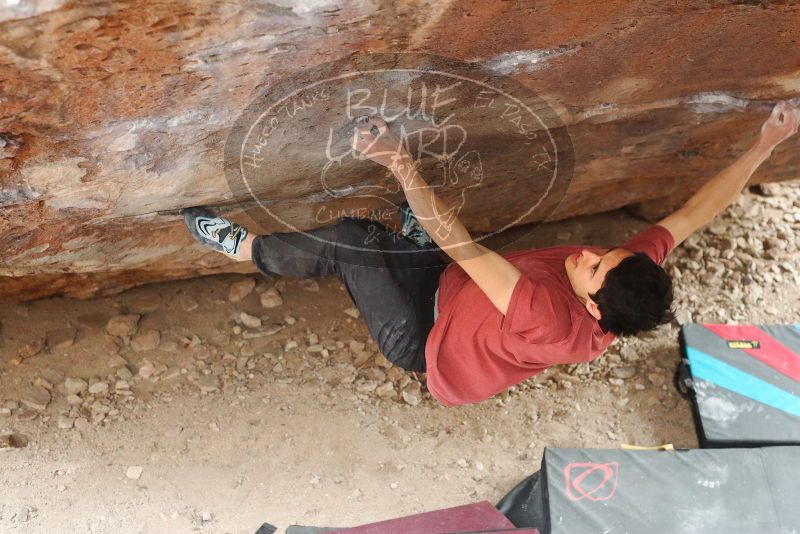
{"x":722,"y":189}
{"x":495,"y":275}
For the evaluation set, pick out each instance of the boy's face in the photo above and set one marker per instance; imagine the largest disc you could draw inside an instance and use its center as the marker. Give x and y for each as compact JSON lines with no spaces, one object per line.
{"x":587,"y":271}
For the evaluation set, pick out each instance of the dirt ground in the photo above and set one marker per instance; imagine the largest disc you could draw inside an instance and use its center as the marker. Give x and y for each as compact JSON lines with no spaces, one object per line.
{"x":190,"y":420}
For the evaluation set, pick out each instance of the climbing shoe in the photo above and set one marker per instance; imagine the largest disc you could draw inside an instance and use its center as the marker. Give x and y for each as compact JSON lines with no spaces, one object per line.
{"x":214,"y":232}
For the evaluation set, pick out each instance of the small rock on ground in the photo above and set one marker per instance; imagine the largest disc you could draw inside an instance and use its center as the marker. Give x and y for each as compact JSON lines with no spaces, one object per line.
{"x":123,"y":325}
{"x":35,"y":397}
{"x":271,"y":298}
{"x":146,"y":340}
{"x":250,"y":321}
{"x":239,"y":290}
{"x":74,"y":386}
{"x":134,"y":472}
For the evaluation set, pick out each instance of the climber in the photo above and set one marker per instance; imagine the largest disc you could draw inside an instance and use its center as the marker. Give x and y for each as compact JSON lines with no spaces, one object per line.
{"x":487,"y":321}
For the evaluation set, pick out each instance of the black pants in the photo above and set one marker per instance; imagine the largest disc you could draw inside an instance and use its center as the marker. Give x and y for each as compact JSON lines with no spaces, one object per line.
{"x":391,"y":281}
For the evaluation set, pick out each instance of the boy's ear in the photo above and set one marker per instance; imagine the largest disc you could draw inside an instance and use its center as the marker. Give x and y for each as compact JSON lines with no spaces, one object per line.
{"x":593,"y":309}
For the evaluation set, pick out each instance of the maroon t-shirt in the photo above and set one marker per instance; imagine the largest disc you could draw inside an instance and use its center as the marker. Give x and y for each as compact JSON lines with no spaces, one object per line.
{"x":474,"y":351}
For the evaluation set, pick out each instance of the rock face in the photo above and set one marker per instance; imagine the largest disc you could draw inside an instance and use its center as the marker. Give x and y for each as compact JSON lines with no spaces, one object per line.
{"x":114,"y":116}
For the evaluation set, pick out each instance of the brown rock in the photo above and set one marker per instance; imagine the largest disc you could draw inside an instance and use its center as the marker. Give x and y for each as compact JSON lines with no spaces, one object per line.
{"x":123,"y":325}
{"x":412,"y":393}
{"x":99,"y":388}
{"x":240,"y":289}
{"x":94,"y":175}
{"x":35,"y":397}
{"x":16,"y":441}
{"x":271,"y":298}
{"x":75,"y":386}
{"x":624,"y":372}
{"x":250,"y":321}
{"x":145,"y":340}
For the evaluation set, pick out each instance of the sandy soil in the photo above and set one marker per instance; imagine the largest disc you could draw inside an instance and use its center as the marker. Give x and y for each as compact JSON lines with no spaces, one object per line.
{"x":233,"y":426}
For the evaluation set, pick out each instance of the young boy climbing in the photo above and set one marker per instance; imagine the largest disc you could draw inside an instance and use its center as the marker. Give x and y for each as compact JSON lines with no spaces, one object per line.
{"x":487,"y":321}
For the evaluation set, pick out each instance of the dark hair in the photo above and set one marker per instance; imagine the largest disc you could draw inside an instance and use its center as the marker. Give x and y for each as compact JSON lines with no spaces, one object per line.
{"x":636,"y":296}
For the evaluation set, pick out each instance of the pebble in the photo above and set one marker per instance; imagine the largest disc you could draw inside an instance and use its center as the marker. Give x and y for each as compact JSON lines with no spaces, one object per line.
{"x":412,"y":393}
{"x":82,"y":424}
{"x":239,"y":290}
{"x":35,"y":397}
{"x":5,"y":412}
{"x":65,"y":422}
{"x":123,"y":325}
{"x":123,"y":373}
{"x":134,"y":472}
{"x":146,"y":340}
{"x":629,"y":353}
{"x":75,"y":386}
{"x":288,"y":319}
{"x":207,"y":384}
{"x":146,"y":370}
{"x":16,"y":441}
{"x":353,"y":312}
{"x":271,"y":298}
{"x":250,"y":321}
{"x":26,"y":415}
{"x":115,"y":360}
{"x":356,"y":347}
{"x":683,"y":316}
{"x":99,"y":388}
{"x":23,"y":514}
{"x":366,"y":386}
{"x":624,"y":372}
{"x":74,"y":400}
{"x":386,"y":390}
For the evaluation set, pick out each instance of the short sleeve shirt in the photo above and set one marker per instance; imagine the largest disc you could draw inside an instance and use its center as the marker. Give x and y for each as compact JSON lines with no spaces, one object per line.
{"x":474,"y":351}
